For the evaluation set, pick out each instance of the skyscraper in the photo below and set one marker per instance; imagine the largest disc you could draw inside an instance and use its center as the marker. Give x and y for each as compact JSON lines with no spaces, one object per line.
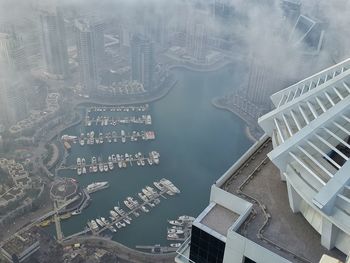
{"x":196,"y":41}
{"x":12,"y":52}
{"x":287,"y":198}
{"x":142,"y":61}
{"x":291,"y":10}
{"x":54,"y":42}
{"x":197,"y":35}
{"x":13,"y":106}
{"x":90,"y":48}
{"x":263,"y":81}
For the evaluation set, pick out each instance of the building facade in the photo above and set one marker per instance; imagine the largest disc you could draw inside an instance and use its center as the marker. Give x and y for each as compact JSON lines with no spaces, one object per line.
{"x":54,"y":46}
{"x":142,"y":61}
{"x":12,"y":53}
{"x":90,"y":49}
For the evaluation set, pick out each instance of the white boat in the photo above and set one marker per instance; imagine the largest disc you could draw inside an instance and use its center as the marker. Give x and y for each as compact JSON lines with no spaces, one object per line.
{"x":113,"y":214}
{"x":82,"y":140}
{"x":68,"y":138}
{"x":186,"y":218}
{"x":175,"y":245}
{"x":144,"y":209}
{"x":100,"y":167}
{"x":78,"y":161}
{"x":151,"y":190}
{"x":83,"y":162}
{"x":143,"y":197}
{"x":104,"y":220}
{"x":128,"y":204}
{"x":118,"y":225}
{"x":122,"y":224}
{"x":79,"y":171}
{"x":175,"y":231}
{"x":173,"y":236}
{"x":105,"y":167}
{"x":158,"y":186}
{"x":110,"y":163}
{"x":155,"y":156}
{"x":168,"y":184}
{"x":84,"y":170}
{"x":114,"y":136}
{"x":114,"y":159}
{"x":99,"y":222}
{"x":148,"y":120}
{"x":126,"y":221}
{"x":175,"y":222}
{"x":76,"y":212}
{"x":123,"y":136}
{"x":112,"y":229}
{"x":91,"y":188}
{"x":148,"y":194}
{"x":120,"y":211}
{"x":94,"y":225}
{"x":119,"y":159}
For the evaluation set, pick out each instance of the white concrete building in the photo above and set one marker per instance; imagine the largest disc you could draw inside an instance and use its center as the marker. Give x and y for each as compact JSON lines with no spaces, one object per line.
{"x":287,"y":199}
{"x":310,"y":130}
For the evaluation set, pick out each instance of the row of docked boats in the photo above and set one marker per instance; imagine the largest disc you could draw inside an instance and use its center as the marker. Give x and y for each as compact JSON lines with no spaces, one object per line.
{"x":81,"y":166}
{"x":118,"y":217}
{"x":98,"y":165}
{"x":91,"y":138}
{"x":118,"y":108}
{"x":180,"y":228}
{"x":107,"y":120}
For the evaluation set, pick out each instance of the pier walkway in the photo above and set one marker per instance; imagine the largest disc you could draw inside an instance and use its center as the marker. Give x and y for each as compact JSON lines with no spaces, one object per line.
{"x":120,"y":218}
{"x":107,"y":120}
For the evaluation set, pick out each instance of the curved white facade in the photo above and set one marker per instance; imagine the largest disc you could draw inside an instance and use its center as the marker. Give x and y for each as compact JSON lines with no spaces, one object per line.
{"x":310,"y":129}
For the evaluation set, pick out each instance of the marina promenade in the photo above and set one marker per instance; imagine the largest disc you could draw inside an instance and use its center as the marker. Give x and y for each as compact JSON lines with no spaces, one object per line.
{"x":122,"y":216}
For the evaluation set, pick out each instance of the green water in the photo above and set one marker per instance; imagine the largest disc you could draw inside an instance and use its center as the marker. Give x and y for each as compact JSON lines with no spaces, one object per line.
{"x":197,"y":144}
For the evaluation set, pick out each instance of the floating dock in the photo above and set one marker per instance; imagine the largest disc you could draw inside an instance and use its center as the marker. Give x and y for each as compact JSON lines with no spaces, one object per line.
{"x":150,"y":202}
{"x":108,"y":120}
{"x":91,"y":138}
{"x":141,"y":108}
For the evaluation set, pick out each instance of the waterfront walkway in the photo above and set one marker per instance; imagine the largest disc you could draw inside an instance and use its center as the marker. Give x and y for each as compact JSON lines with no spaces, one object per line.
{"x":122,"y":251}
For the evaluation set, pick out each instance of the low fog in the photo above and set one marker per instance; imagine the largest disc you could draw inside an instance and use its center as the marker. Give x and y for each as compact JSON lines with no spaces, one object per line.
{"x":260,"y":32}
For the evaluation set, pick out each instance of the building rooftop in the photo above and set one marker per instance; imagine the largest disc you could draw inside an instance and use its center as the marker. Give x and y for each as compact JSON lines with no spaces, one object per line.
{"x":219,"y":219}
{"x":21,"y":242}
{"x":272,"y":224}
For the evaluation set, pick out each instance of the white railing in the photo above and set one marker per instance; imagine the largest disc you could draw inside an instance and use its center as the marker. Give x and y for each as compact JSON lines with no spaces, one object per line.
{"x":181,"y":257}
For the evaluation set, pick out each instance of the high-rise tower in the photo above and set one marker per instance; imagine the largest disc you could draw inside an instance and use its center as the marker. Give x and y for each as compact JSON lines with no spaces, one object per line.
{"x":142,"y":61}
{"x":90,"y":48}
{"x":54,"y":42}
{"x":12,"y":52}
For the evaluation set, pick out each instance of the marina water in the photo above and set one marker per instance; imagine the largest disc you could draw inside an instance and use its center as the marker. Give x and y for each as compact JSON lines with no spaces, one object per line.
{"x":197,"y":144}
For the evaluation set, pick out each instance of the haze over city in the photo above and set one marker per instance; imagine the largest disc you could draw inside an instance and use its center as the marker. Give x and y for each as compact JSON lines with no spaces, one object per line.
{"x":188,"y":131}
